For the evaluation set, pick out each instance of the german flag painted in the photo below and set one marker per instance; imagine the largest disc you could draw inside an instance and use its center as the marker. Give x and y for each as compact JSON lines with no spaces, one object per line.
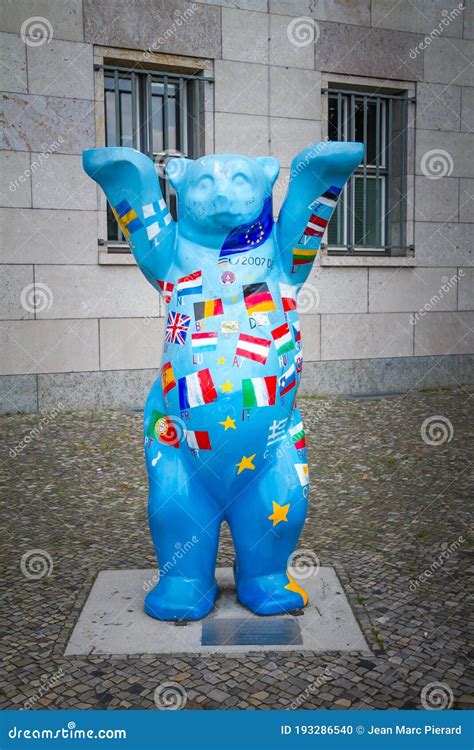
{"x":257,"y":298}
{"x":208,"y":308}
{"x":301,"y":256}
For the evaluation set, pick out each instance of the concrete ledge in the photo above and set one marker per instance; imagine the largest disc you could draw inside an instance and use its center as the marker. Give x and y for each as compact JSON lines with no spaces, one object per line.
{"x":128,"y":389}
{"x":113,"y":621}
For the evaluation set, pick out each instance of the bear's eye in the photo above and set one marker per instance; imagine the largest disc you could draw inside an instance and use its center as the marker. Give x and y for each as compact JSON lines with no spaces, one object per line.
{"x":240,"y":179}
{"x":206,"y":182}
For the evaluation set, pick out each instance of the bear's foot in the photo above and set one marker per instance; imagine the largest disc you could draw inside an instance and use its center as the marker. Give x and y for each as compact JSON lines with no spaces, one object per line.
{"x":176,"y":598}
{"x":272,"y":594}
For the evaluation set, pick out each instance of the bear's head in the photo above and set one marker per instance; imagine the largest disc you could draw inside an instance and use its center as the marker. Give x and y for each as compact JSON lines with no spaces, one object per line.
{"x":219,"y":193}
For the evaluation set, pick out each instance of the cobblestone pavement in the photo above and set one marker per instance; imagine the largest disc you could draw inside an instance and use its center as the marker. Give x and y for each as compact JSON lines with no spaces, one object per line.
{"x":389,"y":511}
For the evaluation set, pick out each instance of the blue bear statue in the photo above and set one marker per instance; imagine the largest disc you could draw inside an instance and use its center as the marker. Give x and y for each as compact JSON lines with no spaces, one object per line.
{"x":224,"y":440}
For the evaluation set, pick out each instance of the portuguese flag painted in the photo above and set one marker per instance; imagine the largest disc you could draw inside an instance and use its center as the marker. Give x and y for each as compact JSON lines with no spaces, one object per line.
{"x":163,"y":429}
{"x":259,"y":391}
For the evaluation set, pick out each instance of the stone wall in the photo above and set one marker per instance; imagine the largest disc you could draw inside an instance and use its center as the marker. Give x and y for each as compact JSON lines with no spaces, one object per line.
{"x":92,"y":336}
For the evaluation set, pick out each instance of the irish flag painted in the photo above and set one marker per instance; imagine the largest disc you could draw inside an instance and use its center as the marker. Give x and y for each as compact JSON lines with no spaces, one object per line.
{"x":297,"y":435}
{"x":204,"y":342}
{"x":196,"y":389}
{"x":288,"y":296}
{"x":259,"y":391}
{"x":283,"y":339}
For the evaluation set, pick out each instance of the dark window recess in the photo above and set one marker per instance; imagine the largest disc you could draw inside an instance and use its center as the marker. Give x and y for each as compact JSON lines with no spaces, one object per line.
{"x":370,"y":218}
{"x":156,"y":112}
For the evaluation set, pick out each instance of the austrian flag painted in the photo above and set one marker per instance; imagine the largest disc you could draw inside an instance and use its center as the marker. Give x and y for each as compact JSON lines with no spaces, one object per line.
{"x":196,"y":389}
{"x":283,"y":340}
{"x":253,"y":347}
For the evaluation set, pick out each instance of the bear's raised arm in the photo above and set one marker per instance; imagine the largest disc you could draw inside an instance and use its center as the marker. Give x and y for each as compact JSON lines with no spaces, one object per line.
{"x":129,"y":180}
{"x":317,"y":177}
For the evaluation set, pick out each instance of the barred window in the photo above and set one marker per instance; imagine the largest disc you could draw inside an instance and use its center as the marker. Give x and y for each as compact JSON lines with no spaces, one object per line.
{"x":157,"y":112}
{"x":370,"y":218}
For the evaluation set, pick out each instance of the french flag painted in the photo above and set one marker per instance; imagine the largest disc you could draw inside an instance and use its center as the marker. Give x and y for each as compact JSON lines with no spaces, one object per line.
{"x":196,"y":389}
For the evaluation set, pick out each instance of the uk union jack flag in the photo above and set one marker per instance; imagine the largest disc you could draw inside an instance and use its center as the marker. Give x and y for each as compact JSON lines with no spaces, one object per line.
{"x":177,"y":328}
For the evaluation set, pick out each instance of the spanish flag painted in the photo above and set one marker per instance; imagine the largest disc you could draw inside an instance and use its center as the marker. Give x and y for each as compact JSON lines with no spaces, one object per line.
{"x":167,"y":378}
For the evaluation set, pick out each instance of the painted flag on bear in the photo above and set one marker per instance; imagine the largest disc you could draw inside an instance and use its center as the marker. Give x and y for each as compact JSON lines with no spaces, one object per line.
{"x":288,"y":380}
{"x":156,"y":216}
{"x":316,"y":226}
{"x":329,"y":198}
{"x":288,"y":296}
{"x":166,"y":289}
{"x":167,"y":378}
{"x":163,"y":429}
{"x":196,"y":389}
{"x":204,"y":342}
{"x":248,"y":236}
{"x":301,"y":256}
{"x":177,"y":326}
{"x":208,"y":308}
{"x":198,"y":440}
{"x":296,"y":330}
{"x":282,"y":338}
{"x":253,"y":347}
{"x":303,"y":474}
{"x":298,"y":436}
{"x":259,"y":391}
{"x":190,"y":284}
{"x":127,"y":218}
{"x":257,"y":298}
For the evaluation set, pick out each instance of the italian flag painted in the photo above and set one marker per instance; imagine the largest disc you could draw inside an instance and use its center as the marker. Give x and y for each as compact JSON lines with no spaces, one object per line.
{"x":259,"y":391}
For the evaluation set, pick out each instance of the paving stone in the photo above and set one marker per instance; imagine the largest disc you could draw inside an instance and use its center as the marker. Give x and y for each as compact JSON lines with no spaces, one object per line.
{"x":88,"y":482}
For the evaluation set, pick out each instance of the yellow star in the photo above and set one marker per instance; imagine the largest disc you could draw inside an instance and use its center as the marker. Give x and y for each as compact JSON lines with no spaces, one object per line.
{"x":246,"y":463}
{"x":293,"y":586}
{"x":227,"y":387}
{"x":221,"y":361}
{"x":250,"y":277}
{"x":280,"y":513}
{"x":234,"y":298}
{"x":229,"y":424}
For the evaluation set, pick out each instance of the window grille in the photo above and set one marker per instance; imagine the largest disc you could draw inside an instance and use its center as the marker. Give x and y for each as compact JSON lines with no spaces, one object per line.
{"x":371,"y":216}
{"x":157,"y":112}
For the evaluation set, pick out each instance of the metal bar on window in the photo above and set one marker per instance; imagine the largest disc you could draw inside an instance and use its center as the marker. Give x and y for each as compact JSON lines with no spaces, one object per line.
{"x":342,"y":207}
{"x":149,"y":116}
{"x":364,"y":183}
{"x":118,"y":113}
{"x":165,"y":130}
{"x":182,"y":110}
{"x":351,"y":186}
{"x":139,"y":71}
{"x":378,"y":218}
{"x":388,"y":189}
{"x":369,"y":95}
{"x":403,"y":118}
{"x":197,"y":134}
{"x":134,"y":110}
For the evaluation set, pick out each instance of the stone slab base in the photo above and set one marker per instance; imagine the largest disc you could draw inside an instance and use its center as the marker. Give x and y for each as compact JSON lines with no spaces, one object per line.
{"x":113,"y":621}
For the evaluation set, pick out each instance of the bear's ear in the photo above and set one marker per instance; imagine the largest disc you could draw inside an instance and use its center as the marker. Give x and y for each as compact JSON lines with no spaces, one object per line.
{"x":176,"y":170}
{"x":270,"y":168}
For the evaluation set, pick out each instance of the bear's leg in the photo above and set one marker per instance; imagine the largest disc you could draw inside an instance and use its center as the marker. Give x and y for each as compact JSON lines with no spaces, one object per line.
{"x":266,"y":520}
{"x":184,"y":524}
